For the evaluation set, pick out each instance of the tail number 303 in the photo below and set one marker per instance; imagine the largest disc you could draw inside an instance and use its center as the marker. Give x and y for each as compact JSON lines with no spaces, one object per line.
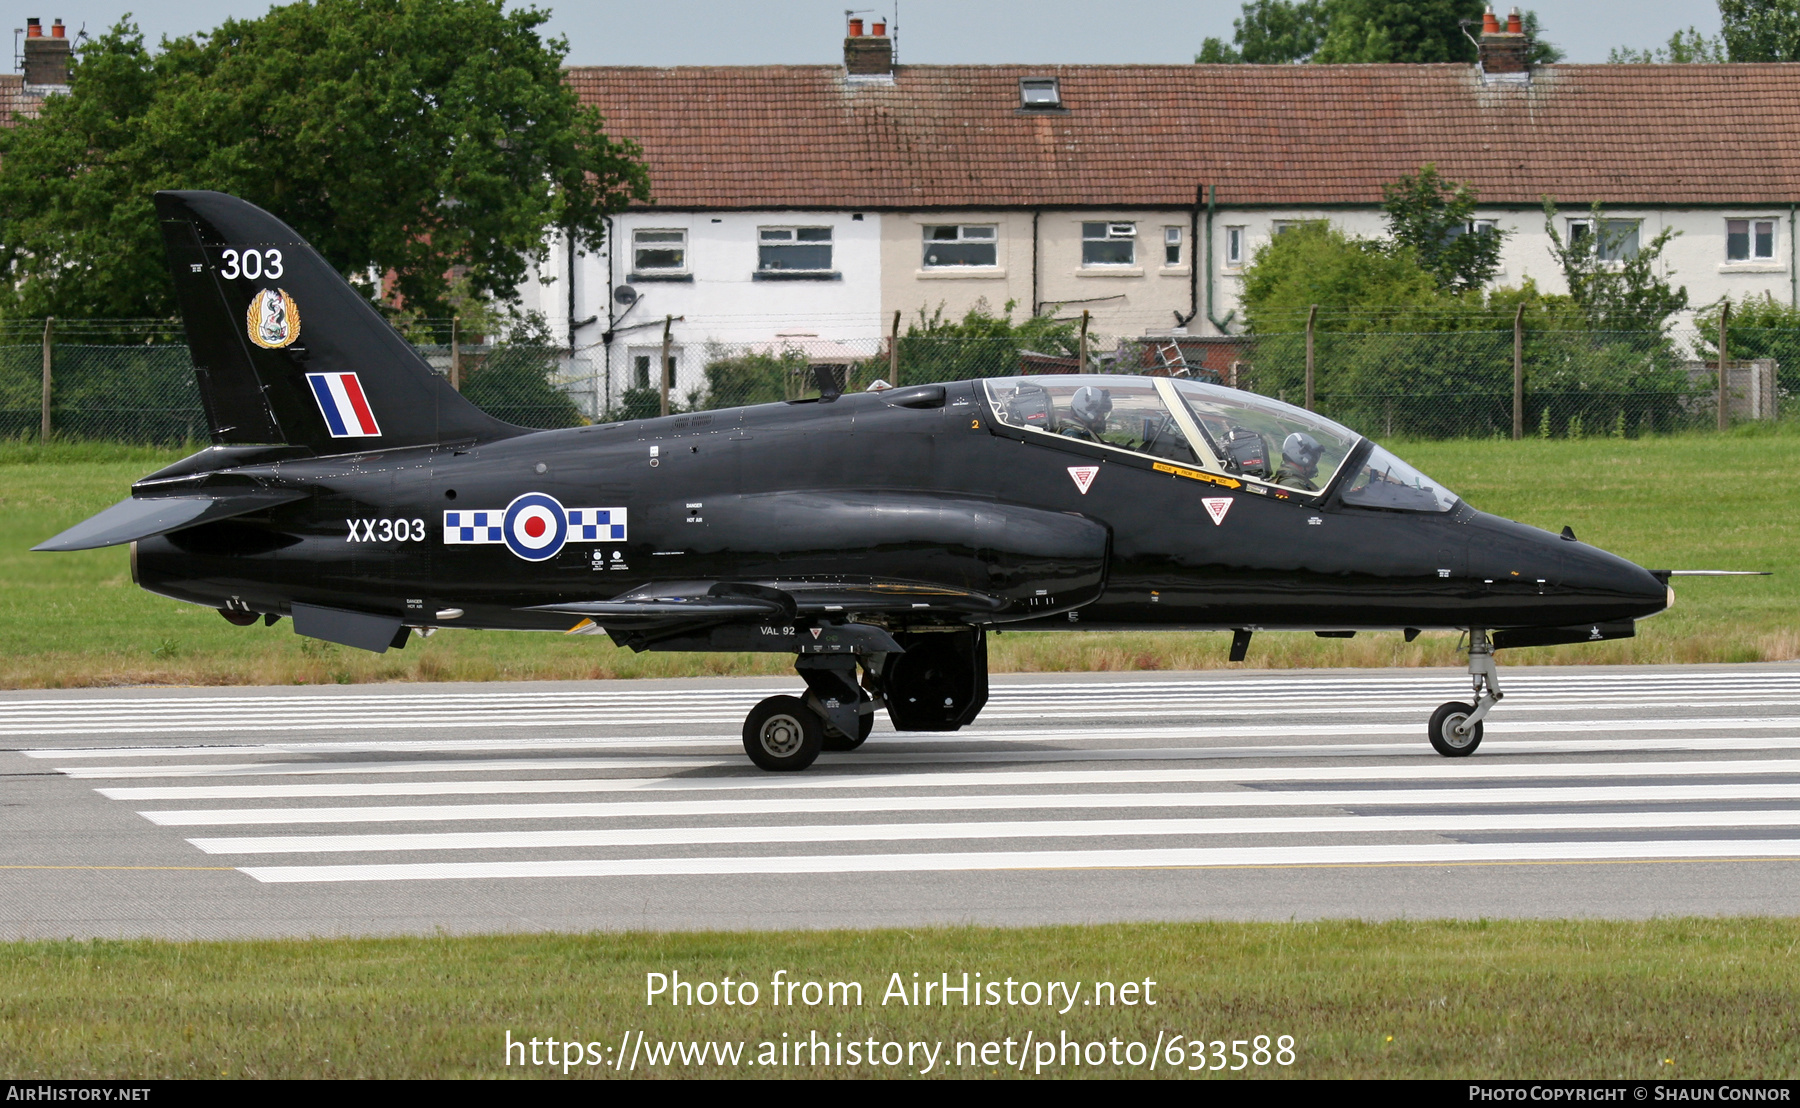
{"x":386,"y":530}
{"x":252,"y":264}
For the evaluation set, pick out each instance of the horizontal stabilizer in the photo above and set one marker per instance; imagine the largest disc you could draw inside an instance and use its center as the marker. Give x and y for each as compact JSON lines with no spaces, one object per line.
{"x":1711,"y":573}
{"x":133,"y":518}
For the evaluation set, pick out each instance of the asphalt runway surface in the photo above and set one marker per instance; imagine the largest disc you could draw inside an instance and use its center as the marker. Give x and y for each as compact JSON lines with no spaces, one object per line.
{"x":1620,"y":792}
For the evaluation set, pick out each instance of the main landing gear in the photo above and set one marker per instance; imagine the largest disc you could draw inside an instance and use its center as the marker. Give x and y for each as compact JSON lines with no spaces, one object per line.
{"x":938,"y":682}
{"x":1455,"y":728}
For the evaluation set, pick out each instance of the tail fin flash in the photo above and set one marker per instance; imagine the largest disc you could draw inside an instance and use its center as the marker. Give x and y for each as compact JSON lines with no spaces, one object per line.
{"x":286,"y":351}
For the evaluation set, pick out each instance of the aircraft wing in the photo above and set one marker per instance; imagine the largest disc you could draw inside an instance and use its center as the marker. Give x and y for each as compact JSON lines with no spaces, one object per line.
{"x":141,"y":517}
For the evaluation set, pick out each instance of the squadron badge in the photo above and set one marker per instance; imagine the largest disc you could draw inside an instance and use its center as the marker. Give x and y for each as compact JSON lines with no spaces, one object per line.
{"x":273,"y":319}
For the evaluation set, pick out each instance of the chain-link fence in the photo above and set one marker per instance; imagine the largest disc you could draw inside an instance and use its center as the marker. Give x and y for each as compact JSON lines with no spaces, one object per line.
{"x":132,"y":381}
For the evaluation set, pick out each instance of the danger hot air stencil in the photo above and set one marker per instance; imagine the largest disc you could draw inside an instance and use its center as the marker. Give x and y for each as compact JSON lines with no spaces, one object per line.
{"x":273,"y":319}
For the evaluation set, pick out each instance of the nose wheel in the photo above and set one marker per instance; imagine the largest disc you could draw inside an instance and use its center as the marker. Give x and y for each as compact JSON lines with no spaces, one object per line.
{"x":1455,"y":728}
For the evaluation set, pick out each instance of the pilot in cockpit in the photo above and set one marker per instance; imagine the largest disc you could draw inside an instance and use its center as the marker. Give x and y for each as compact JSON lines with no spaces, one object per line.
{"x":1299,"y":462}
{"x":1089,"y":406}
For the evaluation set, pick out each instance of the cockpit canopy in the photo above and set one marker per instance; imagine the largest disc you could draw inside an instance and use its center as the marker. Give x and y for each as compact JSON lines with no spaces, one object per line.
{"x":1222,"y":430}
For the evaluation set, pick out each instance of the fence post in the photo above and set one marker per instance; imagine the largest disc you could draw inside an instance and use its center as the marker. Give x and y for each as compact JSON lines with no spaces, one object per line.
{"x":663,"y":372}
{"x":1081,"y":364}
{"x":1519,"y":373}
{"x":456,"y":353}
{"x":1724,"y":411}
{"x":1311,"y":313}
{"x":894,"y":350}
{"x":44,"y":420}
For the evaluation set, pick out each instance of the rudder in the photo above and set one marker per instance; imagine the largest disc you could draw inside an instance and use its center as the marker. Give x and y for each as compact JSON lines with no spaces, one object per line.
{"x":286,"y":351}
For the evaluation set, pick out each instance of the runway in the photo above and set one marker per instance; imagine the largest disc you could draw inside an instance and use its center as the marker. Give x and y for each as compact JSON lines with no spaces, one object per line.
{"x":1076,"y":798}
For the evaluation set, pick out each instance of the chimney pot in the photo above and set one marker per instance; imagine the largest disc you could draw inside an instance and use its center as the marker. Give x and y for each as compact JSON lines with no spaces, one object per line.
{"x":57,"y":30}
{"x":34,"y":28}
{"x":856,"y":28}
{"x":880,"y":30}
{"x":1514,"y":25}
{"x":1490,"y":23}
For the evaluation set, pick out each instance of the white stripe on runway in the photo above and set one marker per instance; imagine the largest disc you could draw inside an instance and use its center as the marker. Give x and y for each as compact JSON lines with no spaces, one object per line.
{"x":1419,"y":771}
{"x":866,"y":758}
{"x":848,"y":834}
{"x":815,"y":805}
{"x":1405,"y":854}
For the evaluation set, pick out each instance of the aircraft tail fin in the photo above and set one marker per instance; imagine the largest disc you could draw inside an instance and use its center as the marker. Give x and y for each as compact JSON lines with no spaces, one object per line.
{"x":286,"y":351}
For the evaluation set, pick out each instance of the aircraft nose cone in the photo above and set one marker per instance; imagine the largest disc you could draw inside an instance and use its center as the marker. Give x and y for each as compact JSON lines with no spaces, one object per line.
{"x":1552,"y":580}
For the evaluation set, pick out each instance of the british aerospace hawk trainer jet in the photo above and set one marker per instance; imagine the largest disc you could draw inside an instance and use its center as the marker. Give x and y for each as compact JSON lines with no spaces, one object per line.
{"x":877,"y":537}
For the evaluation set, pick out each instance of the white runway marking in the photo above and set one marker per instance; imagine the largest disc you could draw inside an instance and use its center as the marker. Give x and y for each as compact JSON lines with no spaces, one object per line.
{"x":1576,"y":767}
{"x":1429,"y":771}
{"x":1425,"y":853}
{"x":1011,"y":829}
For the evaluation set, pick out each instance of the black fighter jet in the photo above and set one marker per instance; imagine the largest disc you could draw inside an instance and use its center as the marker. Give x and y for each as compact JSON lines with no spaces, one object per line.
{"x":877,"y":536}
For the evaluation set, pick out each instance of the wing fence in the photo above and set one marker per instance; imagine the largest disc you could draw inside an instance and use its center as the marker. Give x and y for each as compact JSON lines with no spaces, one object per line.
{"x":132,"y":381}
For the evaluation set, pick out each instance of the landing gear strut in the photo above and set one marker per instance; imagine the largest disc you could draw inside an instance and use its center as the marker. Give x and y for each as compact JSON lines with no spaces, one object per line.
{"x":1455,"y":728}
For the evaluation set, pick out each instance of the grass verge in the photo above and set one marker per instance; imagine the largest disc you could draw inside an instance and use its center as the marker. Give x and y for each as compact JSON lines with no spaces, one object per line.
{"x":1685,"y":998}
{"x":1702,"y":501}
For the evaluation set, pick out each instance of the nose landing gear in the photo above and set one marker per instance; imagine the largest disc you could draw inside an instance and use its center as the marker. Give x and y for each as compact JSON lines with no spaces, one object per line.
{"x":1455,"y":728}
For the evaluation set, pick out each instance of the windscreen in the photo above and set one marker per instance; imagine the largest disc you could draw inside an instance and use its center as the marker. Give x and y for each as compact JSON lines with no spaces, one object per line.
{"x":1385,"y":481}
{"x":1254,"y":436}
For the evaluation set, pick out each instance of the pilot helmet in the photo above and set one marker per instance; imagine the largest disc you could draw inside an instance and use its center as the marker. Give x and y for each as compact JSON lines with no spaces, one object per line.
{"x":1302,"y":451}
{"x":1091,"y":405}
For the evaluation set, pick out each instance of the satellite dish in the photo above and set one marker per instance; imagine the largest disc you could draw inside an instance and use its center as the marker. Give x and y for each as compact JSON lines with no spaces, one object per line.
{"x":625,"y":295}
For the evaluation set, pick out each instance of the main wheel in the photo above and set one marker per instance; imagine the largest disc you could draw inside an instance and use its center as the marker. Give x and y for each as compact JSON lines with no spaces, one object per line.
{"x":837,"y":740}
{"x":782,"y":733}
{"x":1444,"y":738}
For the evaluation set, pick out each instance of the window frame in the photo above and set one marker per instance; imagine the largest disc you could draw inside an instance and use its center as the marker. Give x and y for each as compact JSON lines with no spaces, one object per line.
{"x":1234,"y":247}
{"x":1586,"y":223}
{"x":649,"y":356}
{"x":926,"y":242}
{"x":1111,"y":225}
{"x":681,"y":248}
{"x":1174,"y":238}
{"x":794,"y":229}
{"x":1053,"y":103}
{"x":1751,"y":257}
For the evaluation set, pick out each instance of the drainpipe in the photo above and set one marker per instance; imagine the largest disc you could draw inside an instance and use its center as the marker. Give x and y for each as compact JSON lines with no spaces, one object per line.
{"x":1035,"y":303}
{"x":1793,"y":274}
{"x":1222,"y":325}
{"x":1193,"y":261}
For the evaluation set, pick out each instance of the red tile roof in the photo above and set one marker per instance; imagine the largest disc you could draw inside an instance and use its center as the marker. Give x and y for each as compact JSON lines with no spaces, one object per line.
{"x":1146,"y":135}
{"x":13,"y":98}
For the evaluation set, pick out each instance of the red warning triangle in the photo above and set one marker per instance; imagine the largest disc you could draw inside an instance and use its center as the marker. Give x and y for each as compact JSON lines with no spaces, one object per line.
{"x":1217,"y":506}
{"x":1084,"y":476}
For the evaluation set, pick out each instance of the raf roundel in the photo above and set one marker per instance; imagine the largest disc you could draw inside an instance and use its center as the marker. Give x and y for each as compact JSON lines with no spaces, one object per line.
{"x":535,"y":526}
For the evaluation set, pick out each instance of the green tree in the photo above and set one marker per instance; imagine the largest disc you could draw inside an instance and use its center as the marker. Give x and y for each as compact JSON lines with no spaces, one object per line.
{"x":1761,"y":30}
{"x":1342,"y":32}
{"x":980,"y":344}
{"x":1684,"y":47}
{"x":412,"y":137}
{"x":1618,"y":288}
{"x":1434,"y":219}
{"x":1760,"y":327}
{"x":1271,"y":32}
{"x":1362,"y":283}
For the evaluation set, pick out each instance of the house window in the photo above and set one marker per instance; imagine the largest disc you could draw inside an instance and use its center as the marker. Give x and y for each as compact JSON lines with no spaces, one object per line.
{"x":959,"y":244}
{"x":659,"y":250}
{"x":802,"y":249}
{"x":1473,"y":227}
{"x":1109,"y":244}
{"x":1283,"y":226}
{"x":1749,"y":240}
{"x":1234,"y":248}
{"x":1039,"y":94}
{"x":1171,"y":246}
{"x":643,"y":367}
{"x":1618,"y":237}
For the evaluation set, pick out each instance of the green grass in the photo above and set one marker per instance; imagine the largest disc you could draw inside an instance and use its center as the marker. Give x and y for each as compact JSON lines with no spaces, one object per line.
{"x":1679,"y":998}
{"x":1701,"y":501}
